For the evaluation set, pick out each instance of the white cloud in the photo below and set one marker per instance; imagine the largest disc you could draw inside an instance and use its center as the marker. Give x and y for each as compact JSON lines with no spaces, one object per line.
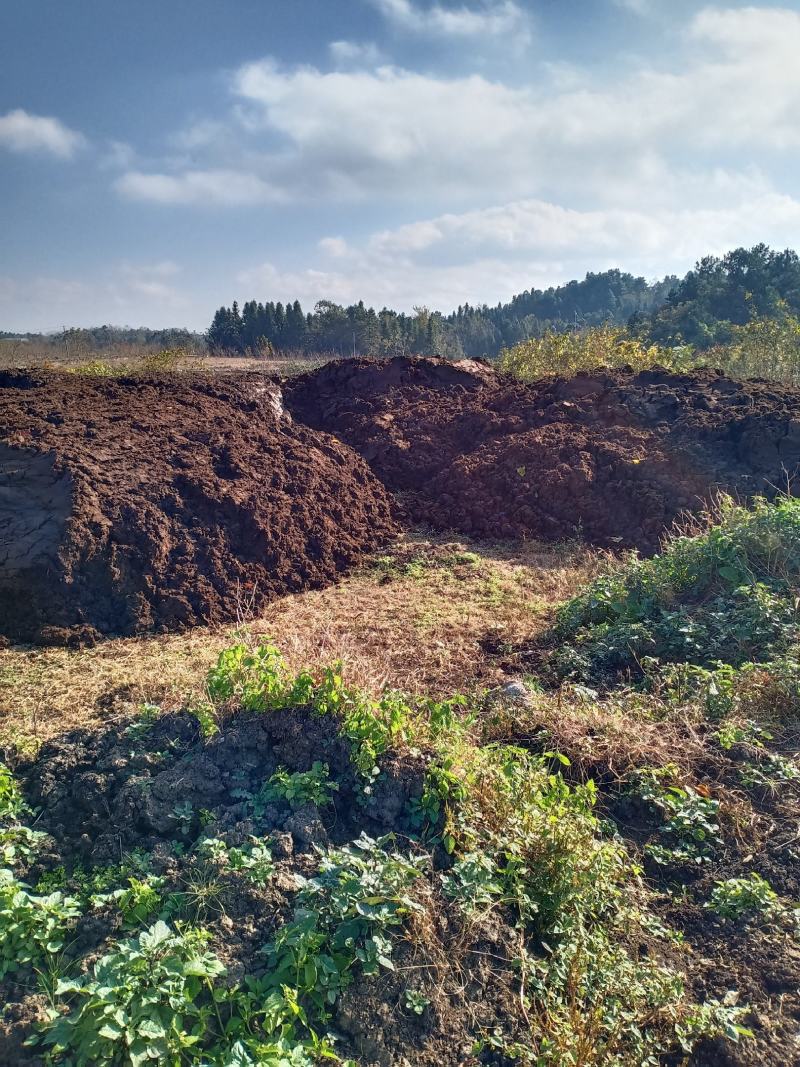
{"x":224,"y":187}
{"x":384,"y":132}
{"x":336,"y":247}
{"x":356,"y":53}
{"x":490,"y":254}
{"x":491,"y":18}
{"x":22,"y":132}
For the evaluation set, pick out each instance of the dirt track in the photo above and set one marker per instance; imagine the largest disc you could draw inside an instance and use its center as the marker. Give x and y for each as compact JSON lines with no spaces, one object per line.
{"x":612,"y":456}
{"x":127,"y":505}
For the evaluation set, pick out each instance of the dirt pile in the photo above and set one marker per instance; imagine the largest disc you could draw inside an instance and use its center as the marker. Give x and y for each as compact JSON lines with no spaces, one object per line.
{"x":613,"y":456}
{"x":133,"y":504}
{"x":133,"y":787}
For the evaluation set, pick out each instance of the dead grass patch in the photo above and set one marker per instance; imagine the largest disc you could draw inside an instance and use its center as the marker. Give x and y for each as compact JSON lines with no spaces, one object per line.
{"x":414,"y":618}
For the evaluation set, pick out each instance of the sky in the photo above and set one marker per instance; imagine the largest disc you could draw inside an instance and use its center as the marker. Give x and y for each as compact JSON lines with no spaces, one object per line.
{"x":164,"y":157}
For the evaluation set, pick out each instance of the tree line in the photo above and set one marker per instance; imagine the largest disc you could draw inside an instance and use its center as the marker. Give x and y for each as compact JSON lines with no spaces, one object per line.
{"x":611,"y":296}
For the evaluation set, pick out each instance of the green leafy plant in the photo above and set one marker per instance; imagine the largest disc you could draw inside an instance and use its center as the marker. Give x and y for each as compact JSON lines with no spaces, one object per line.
{"x":33,"y":929}
{"x":253,"y":860}
{"x":149,"y":999}
{"x":690,"y":821}
{"x":301,"y":787}
{"x":12,"y":803}
{"x":723,"y":596}
{"x":416,"y":1001}
{"x":146,"y":717}
{"x":342,"y":921}
{"x":741,"y":898}
{"x":137,"y":903}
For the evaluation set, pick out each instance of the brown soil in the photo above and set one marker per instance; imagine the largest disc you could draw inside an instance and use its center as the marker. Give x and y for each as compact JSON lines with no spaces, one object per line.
{"x":136,"y":504}
{"x":612,"y":456}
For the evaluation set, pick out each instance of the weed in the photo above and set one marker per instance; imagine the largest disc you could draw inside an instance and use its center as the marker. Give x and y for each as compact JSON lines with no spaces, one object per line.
{"x":137,"y":903}
{"x":206,"y":717}
{"x":416,"y":1001}
{"x":12,"y":802}
{"x":150,"y":998}
{"x":343,"y":919}
{"x":253,"y":860}
{"x":302,"y":787}
{"x":146,"y":718}
{"x":770,"y":773}
{"x":33,"y":928}
{"x":723,"y":596}
{"x":741,"y":898}
{"x":689,"y":824}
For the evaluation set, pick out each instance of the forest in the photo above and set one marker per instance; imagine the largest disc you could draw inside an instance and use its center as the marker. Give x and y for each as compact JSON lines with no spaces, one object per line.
{"x":702,"y":309}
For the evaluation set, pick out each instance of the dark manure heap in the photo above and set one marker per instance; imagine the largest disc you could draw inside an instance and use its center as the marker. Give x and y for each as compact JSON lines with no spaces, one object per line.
{"x":133,"y":504}
{"x":612,"y":456}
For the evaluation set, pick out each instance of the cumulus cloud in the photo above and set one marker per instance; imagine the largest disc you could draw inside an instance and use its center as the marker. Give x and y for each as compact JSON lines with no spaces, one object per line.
{"x":489,"y":254}
{"x":223,"y":187}
{"x":491,"y":18}
{"x":299,"y":133}
{"x":22,"y":132}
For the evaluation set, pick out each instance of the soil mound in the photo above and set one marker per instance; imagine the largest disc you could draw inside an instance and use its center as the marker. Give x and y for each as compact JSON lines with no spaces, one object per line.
{"x":613,"y":456}
{"x":133,"y":504}
{"x":129,"y":787}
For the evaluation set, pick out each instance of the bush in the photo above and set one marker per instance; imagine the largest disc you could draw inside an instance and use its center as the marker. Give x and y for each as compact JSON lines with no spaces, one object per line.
{"x":724,"y":596}
{"x":566,"y":353}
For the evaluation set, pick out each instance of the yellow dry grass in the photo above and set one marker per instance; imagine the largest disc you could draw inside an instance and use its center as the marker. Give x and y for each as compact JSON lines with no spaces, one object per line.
{"x":415,"y":618}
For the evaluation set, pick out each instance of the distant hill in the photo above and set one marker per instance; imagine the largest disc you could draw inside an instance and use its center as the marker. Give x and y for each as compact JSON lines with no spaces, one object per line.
{"x":100,"y":337}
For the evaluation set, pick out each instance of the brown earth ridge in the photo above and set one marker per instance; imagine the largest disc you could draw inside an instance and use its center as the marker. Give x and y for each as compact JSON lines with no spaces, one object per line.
{"x":135,"y":503}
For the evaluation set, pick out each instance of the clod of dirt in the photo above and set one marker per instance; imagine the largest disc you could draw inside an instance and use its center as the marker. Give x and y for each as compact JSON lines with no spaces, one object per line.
{"x":614,"y":457}
{"x":99,"y":793}
{"x":130,"y":504}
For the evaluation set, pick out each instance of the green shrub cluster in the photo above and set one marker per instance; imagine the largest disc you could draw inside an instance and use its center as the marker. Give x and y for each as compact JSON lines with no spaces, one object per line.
{"x":724,"y":596}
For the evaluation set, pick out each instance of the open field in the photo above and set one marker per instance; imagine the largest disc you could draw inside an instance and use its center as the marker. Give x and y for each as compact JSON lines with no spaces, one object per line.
{"x":130,"y":358}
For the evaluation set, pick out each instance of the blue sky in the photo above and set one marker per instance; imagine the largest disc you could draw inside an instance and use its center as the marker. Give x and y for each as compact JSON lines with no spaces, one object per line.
{"x":158,"y":159}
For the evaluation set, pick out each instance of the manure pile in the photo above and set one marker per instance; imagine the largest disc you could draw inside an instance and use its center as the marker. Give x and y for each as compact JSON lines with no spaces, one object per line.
{"x":135,"y":504}
{"x":131,"y":504}
{"x":612,"y":456}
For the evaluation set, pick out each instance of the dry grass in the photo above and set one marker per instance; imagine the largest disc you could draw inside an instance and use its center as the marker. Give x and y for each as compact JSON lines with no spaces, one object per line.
{"x":414,"y":618}
{"x":122,"y":358}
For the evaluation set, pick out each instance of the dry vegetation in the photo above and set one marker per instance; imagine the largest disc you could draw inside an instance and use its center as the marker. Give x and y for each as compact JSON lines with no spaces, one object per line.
{"x":413,"y":618}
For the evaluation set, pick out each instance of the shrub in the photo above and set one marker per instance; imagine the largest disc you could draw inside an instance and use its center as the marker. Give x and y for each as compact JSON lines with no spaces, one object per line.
{"x":568,"y":352}
{"x":723,"y":596}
